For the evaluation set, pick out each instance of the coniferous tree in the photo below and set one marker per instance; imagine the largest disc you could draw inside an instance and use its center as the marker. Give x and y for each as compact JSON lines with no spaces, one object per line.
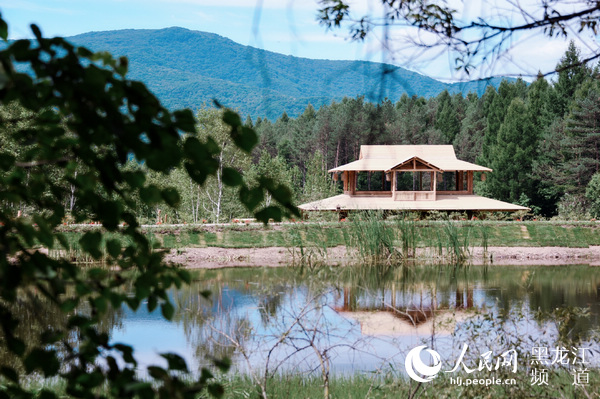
{"x":318,"y":183}
{"x":468,"y":143}
{"x":447,"y":118}
{"x":583,"y":131}
{"x":571,"y":74}
{"x":513,"y":156}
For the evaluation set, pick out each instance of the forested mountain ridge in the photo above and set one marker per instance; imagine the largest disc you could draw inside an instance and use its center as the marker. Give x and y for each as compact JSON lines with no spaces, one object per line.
{"x":188,"y":68}
{"x":540,"y":139}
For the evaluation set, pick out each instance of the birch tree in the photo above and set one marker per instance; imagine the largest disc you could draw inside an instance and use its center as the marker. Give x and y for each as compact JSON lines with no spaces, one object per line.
{"x":216,"y":198}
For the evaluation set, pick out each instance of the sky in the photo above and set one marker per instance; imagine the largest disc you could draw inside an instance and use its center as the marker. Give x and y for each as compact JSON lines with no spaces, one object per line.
{"x":284,"y":26}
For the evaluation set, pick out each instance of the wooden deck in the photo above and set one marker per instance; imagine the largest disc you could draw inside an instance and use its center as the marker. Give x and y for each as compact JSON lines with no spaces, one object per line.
{"x":458,"y":202}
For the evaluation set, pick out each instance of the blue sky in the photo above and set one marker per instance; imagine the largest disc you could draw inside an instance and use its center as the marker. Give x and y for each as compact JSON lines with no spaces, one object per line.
{"x":283,"y":26}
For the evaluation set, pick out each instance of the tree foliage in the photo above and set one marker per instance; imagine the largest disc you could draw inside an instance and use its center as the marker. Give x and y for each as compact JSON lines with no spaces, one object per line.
{"x":76,"y":120}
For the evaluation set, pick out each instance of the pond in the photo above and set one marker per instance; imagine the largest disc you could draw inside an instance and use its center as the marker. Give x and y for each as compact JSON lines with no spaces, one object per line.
{"x":365,"y":319}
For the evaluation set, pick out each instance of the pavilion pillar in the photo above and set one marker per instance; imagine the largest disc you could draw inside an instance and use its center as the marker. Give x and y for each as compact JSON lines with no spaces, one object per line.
{"x":460,"y":184}
{"x":470,"y":182}
{"x":434,"y":183}
{"x":393,"y":185}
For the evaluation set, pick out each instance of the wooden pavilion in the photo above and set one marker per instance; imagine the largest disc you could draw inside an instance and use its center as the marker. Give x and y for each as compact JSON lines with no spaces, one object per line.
{"x":408,"y":178}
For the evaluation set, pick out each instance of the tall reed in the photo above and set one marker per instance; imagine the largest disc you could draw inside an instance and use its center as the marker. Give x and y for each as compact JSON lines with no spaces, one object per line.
{"x":71,"y":250}
{"x":308,"y":246}
{"x":371,"y":237}
{"x":485,"y":237}
{"x":407,"y":231}
{"x":457,"y":247}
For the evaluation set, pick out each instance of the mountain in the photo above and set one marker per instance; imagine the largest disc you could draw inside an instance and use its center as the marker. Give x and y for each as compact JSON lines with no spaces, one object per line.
{"x":189,"y":68}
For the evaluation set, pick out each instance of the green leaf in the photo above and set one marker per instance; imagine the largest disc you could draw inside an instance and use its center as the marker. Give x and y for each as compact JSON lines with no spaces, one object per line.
{"x":36,"y":32}
{"x":7,"y":161}
{"x":251,"y":197}
{"x":69,"y":305}
{"x":232,"y":177}
{"x":126,"y":352}
{"x":245,"y":138}
{"x":223,"y":364}
{"x":216,"y":390}
{"x":100,"y":304}
{"x":47,"y":395}
{"x":152,"y":303}
{"x":232,"y":118}
{"x":135,"y":179}
{"x":138,"y":386}
{"x":110,"y":212}
{"x":44,"y":360}
{"x":90,"y":243}
{"x":185,"y":276}
{"x":150,"y":195}
{"x":206,"y":294}
{"x":158,"y":373}
{"x":171,"y":197}
{"x":270,"y":212}
{"x":79,"y":321}
{"x":3,"y":29}
{"x":167,"y":310}
{"x":10,"y":373}
{"x":175,"y":362}
{"x":15,"y":345}
{"x":113,"y":247}
{"x":185,"y":120}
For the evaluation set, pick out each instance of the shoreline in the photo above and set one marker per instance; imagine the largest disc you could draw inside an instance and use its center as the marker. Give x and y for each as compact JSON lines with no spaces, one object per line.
{"x":219,"y":257}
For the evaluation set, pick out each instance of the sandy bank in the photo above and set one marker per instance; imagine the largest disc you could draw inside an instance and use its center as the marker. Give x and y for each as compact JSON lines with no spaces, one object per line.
{"x":214,"y":257}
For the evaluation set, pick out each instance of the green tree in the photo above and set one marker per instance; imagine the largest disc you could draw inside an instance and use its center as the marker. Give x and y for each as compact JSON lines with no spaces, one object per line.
{"x":538,"y":103}
{"x":447,"y":120}
{"x":496,"y":114}
{"x":515,"y":151}
{"x":592,"y":193}
{"x":277,"y":169}
{"x":583,"y":138}
{"x":218,"y":198}
{"x":571,"y":74}
{"x":84,"y":110}
{"x":318,"y":183}
{"x":469,"y":141}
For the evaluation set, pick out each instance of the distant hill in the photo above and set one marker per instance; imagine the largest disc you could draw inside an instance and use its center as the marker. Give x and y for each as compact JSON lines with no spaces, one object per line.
{"x":188,"y":68}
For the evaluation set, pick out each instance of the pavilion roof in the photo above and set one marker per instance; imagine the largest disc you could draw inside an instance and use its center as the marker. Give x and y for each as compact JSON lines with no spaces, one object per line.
{"x":387,"y":157}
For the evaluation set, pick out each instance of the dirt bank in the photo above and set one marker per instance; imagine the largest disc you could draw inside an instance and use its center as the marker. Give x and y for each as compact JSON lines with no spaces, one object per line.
{"x":214,"y":257}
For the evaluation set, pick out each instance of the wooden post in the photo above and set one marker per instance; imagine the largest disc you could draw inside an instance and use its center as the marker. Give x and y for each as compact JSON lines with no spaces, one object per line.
{"x":470,"y":182}
{"x":455,"y":180}
{"x":393,"y":185}
{"x":434,"y":182}
{"x":460,"y":181}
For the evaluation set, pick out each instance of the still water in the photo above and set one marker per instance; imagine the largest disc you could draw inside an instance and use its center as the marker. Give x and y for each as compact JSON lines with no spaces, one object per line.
{"x":350,"y":320}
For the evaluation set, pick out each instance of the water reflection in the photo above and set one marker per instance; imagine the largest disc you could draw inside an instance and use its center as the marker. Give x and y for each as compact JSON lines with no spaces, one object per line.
{"x":352,"y":319}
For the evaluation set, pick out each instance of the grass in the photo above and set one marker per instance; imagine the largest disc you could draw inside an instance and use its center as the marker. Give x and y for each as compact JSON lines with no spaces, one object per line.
{"x":388,"y":386}
{"x":395,"y":386}
{"x":373,"y":237}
